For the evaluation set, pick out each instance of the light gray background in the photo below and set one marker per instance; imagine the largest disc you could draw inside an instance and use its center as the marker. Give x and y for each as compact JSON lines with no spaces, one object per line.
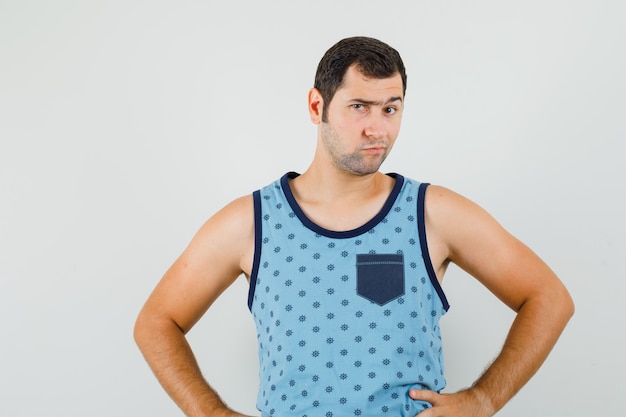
{"x":125,"y":124}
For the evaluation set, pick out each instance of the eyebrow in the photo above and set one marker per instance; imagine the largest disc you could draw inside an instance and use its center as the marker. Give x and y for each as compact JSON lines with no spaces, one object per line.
{"x":379,"y":103}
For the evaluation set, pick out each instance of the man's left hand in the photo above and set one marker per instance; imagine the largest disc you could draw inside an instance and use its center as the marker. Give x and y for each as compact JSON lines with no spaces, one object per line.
{"x":467,"y":403}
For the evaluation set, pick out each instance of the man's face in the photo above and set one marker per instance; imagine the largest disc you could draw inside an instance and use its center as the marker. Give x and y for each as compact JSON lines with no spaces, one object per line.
{"x":363,"y":122}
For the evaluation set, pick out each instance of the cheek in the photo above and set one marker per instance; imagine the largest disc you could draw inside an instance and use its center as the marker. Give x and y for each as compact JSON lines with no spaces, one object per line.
{"x":349,"y":130}
{"x":393,"y":129}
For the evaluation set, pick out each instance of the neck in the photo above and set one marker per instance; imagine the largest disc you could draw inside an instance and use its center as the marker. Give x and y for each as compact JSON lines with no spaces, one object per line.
{"x":329,"y":184}
{"x":340,"y":202}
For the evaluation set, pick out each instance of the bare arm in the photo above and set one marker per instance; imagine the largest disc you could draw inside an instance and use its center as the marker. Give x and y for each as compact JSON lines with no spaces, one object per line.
{"x":216,"y":256}
{"x":465,"y":234}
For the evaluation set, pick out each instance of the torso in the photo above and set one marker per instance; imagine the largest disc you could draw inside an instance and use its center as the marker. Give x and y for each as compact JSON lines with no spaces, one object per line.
{"x":306,"y":273}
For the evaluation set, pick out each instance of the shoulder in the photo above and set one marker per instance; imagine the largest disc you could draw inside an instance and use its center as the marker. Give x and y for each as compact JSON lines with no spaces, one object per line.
{"x":443,"y":206}
{"x":223,"y":245}
{"x":226,"y":233}
{"x":235,"y":220}
{"x":459,"y":223}
{"x":442,"y":198}
{"x":241,"y":206}
{"x":446,"y":206}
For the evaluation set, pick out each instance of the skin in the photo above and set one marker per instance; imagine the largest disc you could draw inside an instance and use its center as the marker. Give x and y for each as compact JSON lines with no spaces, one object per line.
{"x":341,"y":190}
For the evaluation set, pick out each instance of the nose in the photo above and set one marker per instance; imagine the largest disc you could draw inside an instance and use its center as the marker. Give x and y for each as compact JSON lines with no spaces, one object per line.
{"x":375,"y":127}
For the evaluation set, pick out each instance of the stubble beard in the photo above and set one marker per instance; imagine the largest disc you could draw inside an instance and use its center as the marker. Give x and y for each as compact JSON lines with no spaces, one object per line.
{"x":357,"y":162}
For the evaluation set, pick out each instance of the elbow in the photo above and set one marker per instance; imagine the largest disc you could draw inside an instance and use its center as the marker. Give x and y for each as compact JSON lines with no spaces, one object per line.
{"x":151,"y":328}
{"x":140,"y":330}
{"x":567,"y":302}
{"x":570,"y":307}
{"x":144,"y":329}
{"x":563,"y":304}
{"x":554,"y":302}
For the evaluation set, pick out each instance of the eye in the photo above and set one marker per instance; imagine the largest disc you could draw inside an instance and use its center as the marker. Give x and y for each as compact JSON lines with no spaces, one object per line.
{"x":390,"y":110}
{"x":358,"y":106}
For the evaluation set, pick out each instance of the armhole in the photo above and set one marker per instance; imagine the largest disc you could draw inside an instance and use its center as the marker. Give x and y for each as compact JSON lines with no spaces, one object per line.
{"x":258,"y":229}
{"x":421,"y":224}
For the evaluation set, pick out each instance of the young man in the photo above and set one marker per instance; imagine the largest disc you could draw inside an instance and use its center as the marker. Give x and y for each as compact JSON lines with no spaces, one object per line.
{"x":345,"y":265}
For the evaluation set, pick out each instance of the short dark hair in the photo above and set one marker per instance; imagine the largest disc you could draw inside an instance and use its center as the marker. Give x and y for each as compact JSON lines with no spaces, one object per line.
{"x":372,"y":58}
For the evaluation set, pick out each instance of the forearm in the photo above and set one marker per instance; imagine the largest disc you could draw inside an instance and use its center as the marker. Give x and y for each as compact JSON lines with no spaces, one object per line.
{"x":170,"y":357}
{"x":534,"y":332}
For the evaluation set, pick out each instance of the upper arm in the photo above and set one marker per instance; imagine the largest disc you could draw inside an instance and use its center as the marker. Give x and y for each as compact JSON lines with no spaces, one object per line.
{"x":464,"y":233}
{"x":219,"y":252}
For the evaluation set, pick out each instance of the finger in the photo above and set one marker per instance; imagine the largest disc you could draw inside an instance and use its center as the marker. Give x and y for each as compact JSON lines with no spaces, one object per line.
{"x":423,"y":395}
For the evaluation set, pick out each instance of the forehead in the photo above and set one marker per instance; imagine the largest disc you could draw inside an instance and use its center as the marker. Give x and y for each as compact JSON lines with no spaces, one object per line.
{"x":357,"y":85}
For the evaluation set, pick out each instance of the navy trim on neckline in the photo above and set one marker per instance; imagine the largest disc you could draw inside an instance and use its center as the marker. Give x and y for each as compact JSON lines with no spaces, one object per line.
{"x":284,"y":183}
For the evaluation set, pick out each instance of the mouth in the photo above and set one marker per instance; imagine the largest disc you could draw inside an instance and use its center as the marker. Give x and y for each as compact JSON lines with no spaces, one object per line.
{"x":378,"y":149}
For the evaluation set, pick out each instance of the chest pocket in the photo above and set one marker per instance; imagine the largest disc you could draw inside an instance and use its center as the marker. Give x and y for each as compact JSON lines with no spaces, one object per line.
{"x":380,"y":277}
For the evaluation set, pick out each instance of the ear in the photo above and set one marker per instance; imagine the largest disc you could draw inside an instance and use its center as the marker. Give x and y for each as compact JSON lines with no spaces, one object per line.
{"x":316,"y":106}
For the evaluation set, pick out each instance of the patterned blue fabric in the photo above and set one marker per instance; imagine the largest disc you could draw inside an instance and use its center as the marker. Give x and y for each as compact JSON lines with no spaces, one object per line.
{"x":347,"y":322}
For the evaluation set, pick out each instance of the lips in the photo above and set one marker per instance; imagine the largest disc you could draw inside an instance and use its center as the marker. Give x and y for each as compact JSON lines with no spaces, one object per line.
{"x":375,"y":149}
